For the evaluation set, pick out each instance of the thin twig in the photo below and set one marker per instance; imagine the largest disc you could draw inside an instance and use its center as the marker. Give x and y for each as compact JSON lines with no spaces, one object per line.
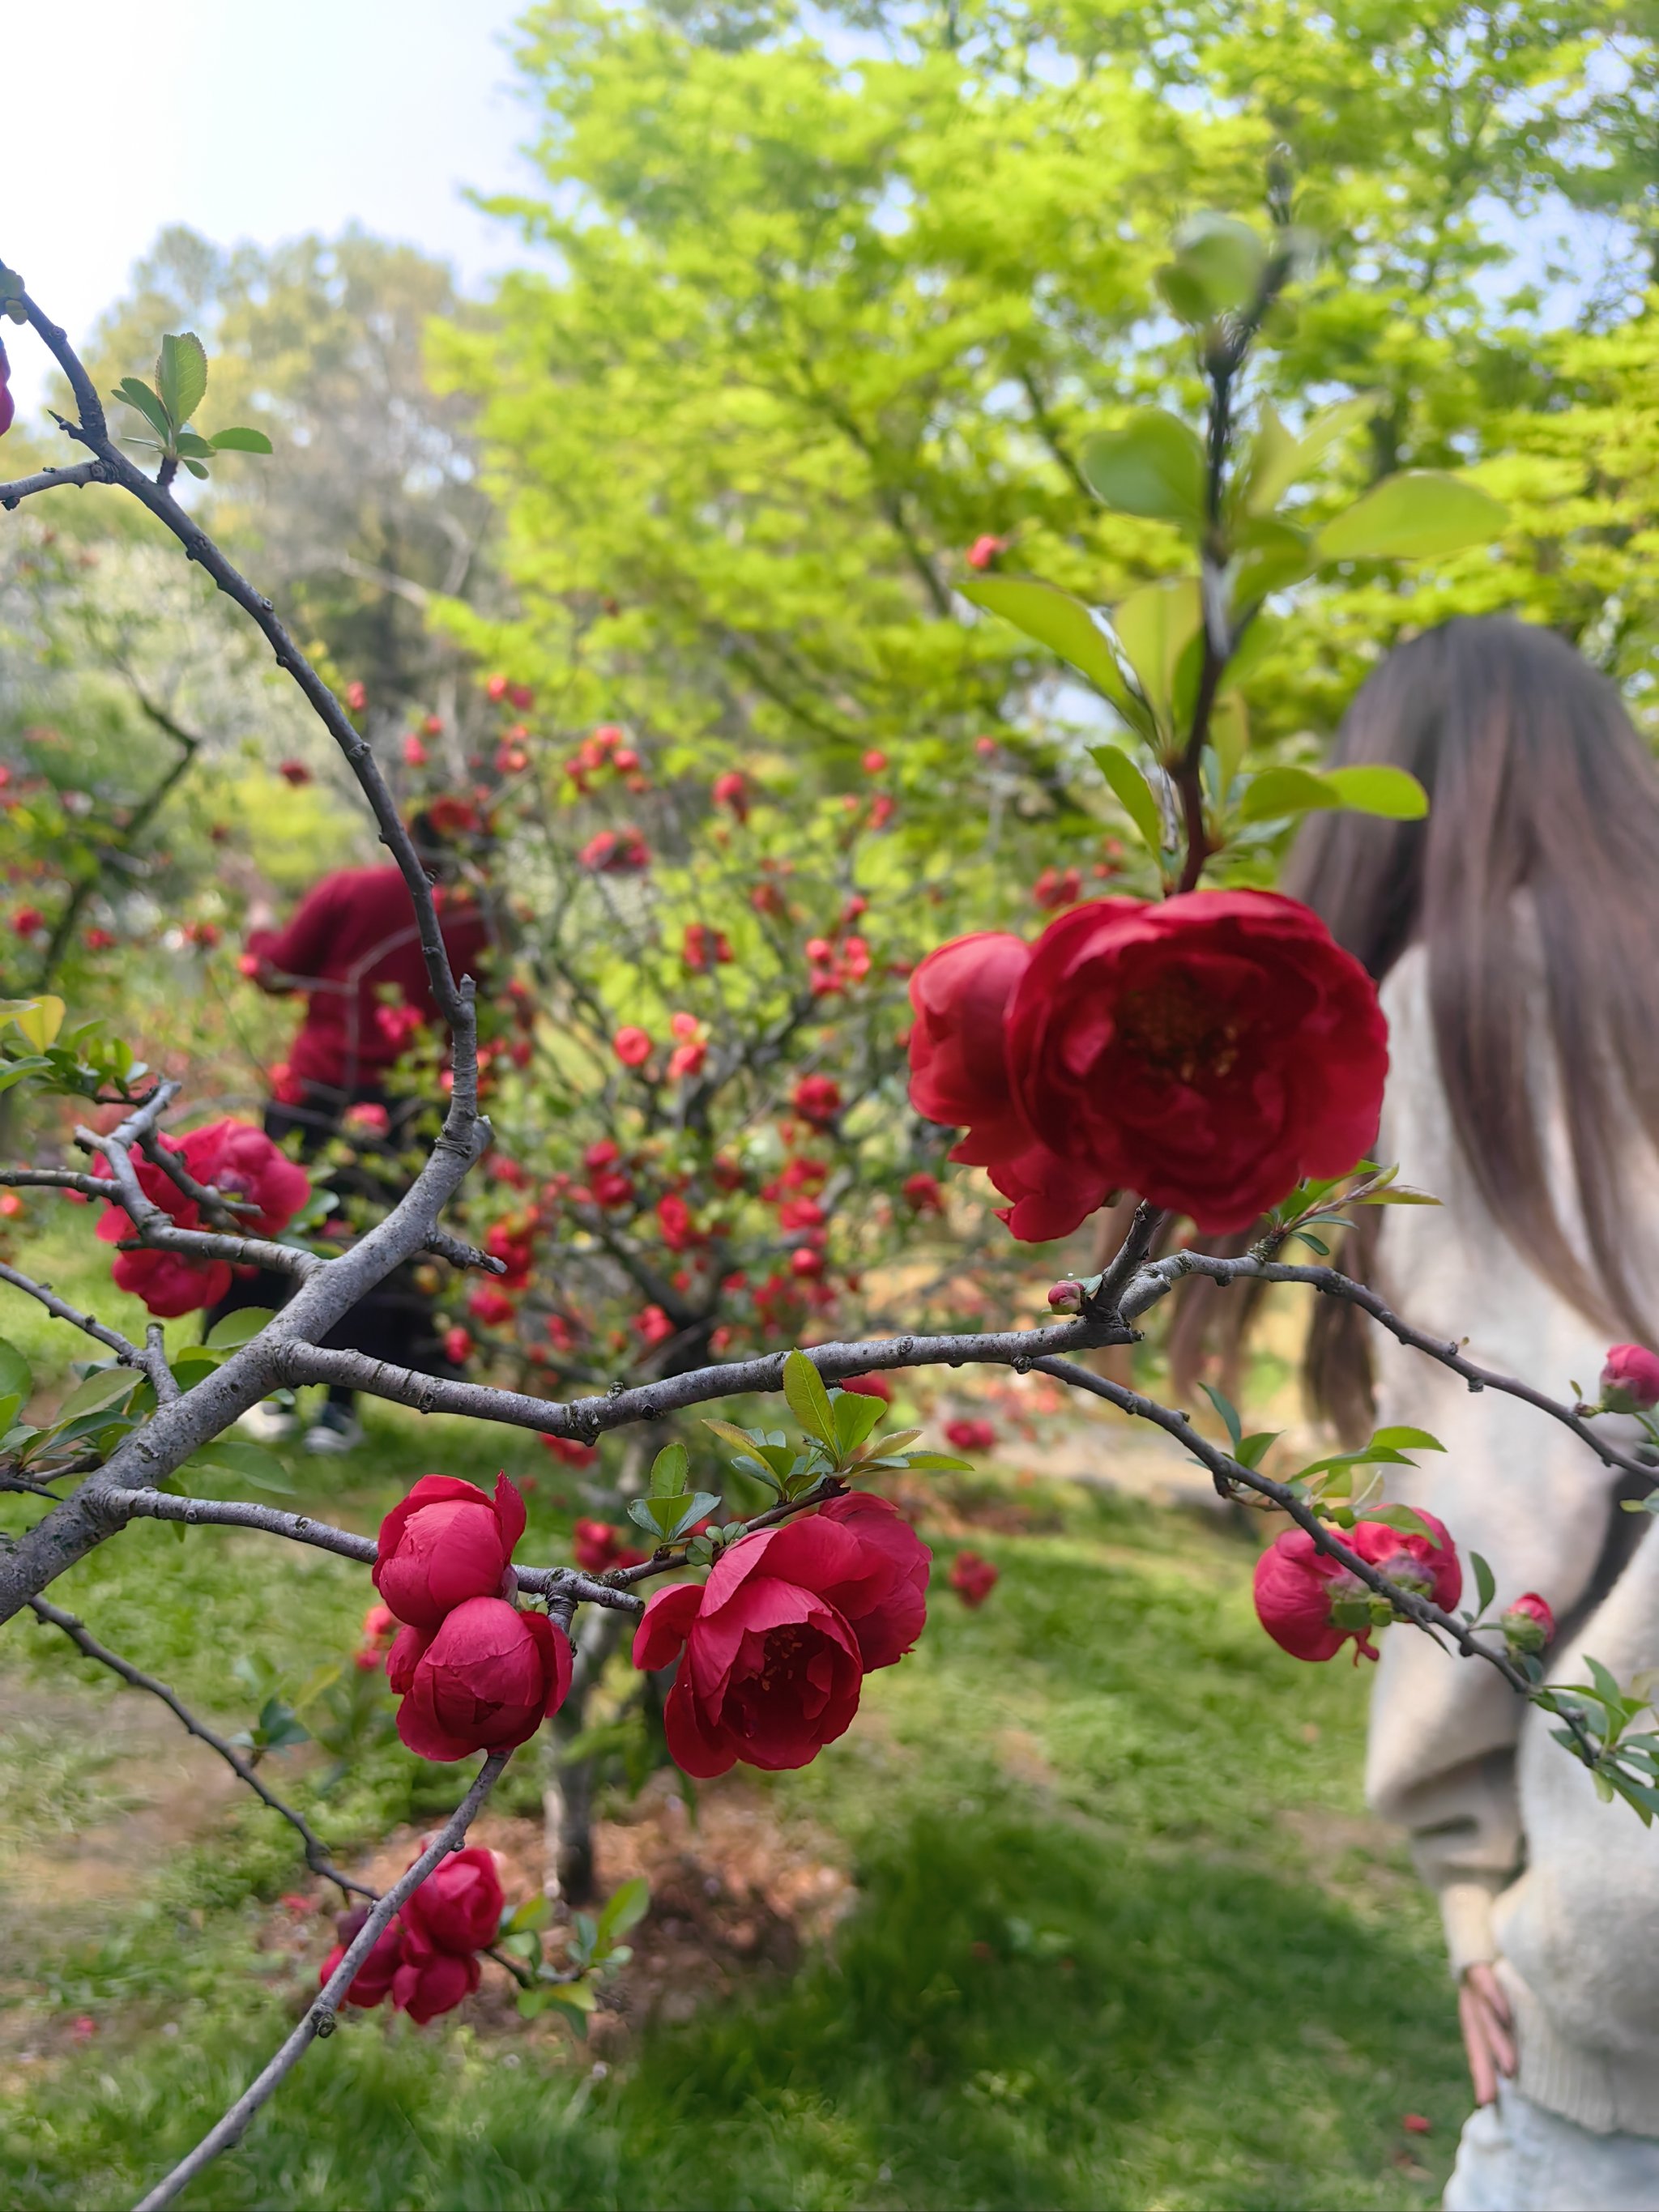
{"x":317,"y":1853}
{"x":124,"y":1350}
{"x":320,"y":2017}
{"x":77,"y":475}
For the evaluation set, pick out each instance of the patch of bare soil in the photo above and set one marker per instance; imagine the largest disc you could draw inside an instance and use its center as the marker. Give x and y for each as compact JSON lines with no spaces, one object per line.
{"x":736,"y":1892}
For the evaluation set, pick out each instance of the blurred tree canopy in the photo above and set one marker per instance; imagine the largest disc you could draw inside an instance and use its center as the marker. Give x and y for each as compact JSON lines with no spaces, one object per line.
{"x":826,"y":295}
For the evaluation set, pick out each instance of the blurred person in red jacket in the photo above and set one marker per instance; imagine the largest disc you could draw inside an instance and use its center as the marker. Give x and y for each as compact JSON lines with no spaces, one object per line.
{"x":353,"y":947}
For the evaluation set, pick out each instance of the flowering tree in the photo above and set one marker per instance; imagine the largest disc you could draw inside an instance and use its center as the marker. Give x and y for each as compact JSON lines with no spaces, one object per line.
{"x":1141,"y":1045}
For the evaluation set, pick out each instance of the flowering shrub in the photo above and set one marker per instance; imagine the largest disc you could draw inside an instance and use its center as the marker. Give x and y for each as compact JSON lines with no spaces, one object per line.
{"x":239,"y":1161}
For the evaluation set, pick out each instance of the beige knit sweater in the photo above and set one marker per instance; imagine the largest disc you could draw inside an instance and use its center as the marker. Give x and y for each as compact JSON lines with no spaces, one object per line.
{"x":1533,"y":1870}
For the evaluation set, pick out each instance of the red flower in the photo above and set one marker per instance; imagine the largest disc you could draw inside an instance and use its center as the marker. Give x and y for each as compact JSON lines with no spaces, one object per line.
{"x":922,"y":1194}
{"x":572,"y":1453}
{"x":294,"y":772}
{"x":457,"y":1346}
{"x":654,"y":1325}
{"x":807,"y":1260}
{"x":99,"y":940}
{"x":1529,"y":1624}
{"x":429,"y":1981}
{"x":415,"y":754}
{"x":982,"y":553}
{"x":612,"y":1188}
{"x":451,"y":815}
{"x":703,"y":946}
{"x":496,"y":688}
{"x":447,"y":1542}
{"x":731,"y":790}
{"x":458,"y":1908}
{"x":372,"y":1982}
{"x":971,"y":1436}
{"x":869,"y":1386}
{"x":615,"y":853}
{"x":1630,"y":1380}
{"x":1051,"y":889}
{"x":398,"y":1024}
{"x":521,"y":696}
{"x":632,"y":1045}
{"x":491,"y":1307}
{"x":674,"y":1218}
{"x":28,"y":919}
{"x":1298,"y":1587}
{"x":974,"y":1578}
{"x":596,"y":1547}
{"x":236,"y":1159}
{"x":817,"y":1099}
{"x":885,"y":1605}
{"x":356,"y":697}
{"x":772,"y":1668}
{"x":1205,"y":1053}
{"x":485,"y":1681}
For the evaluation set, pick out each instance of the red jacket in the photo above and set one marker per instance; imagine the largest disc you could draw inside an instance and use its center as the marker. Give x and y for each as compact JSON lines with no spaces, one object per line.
{"x":353,"y":933}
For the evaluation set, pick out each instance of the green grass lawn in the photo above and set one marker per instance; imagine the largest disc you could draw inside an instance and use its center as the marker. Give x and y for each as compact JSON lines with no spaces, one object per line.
{"x":1121,"y":1933}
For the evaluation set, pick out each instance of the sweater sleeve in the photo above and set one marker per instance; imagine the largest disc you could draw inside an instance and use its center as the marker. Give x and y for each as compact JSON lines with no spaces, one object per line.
{"x":1511,"y":1483}
{"x":295,"y":954}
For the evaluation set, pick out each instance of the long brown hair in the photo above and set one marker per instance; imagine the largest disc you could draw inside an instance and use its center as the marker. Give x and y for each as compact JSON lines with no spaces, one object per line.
{"x":1537,"y":782}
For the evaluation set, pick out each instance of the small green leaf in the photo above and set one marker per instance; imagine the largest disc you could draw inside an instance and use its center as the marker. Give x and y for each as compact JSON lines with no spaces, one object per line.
{"x":239,"y":1328}
{"x":534,"y":1913}
{"x":247,"y":1462}
{"x":190,"y":442}
{"x":930,"y":1462}
{"x":1133,"y":793}
{"x":580,"y":1997}
{"x":1066,"y":627}
{"x":1251,"y":1451}
{"x":139,"y":396}
{"x":15,"y":1375}
{"x":1156,"y":627}
{"x":1417,"y":513}
{"x":808,"y":1402}
{"x":1405,"y":1439}
{"x":105,"y":1386}
{"x":1154,"y":465}
{"x":39,"y":1019}
{"x":1277,"y":460}
{"x":1486,"y":1582}
{"x":856,"y":1414}
{"x":668,"y":1470}
{"x":181,"y":376}
{"x":1393,"y":793}
{"x":739,"y":1439}
{"x":241,"y":440}
{"x":196,"y":469}
{"x":1225,"y":256}
{"x":624,"y":1909}
{"x":1225,"y":1406}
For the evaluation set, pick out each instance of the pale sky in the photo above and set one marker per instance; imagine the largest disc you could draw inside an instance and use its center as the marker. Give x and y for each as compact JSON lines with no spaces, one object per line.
{"x":246,"y":122}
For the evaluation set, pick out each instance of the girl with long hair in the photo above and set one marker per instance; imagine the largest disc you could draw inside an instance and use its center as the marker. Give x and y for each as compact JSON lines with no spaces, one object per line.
{"x":1514,"y":935}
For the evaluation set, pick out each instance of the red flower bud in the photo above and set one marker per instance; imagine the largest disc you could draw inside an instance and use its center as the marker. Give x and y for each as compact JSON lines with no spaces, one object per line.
{"x":458,"y":1908}
{"x":492,"y":1308}
{"x":356,"y":697}
{"x":1630,"y":1380}
{"x":1067,"y":1298}
{"x":1527,"y":1625}
{"x":572,"y":1453}
{"x":1298,"y":1586}
{"x":817,"y":1099}
{"x":983,"y":552}
{"x":445,"y":1543}
{"x":486,"y":1681}
{"x":923,"y":1195}
{"x":457,"y":1346}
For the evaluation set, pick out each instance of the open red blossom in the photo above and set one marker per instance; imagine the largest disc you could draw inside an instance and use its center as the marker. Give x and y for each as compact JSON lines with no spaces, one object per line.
{"x":445,"y":1543}
{"x":774,"y":1643}
{"x":923,"y":1195}
{"x":1298,"y":1587}
{"x":429,"y":1981}
{"x":973,"y":1578}
{"x":1205,"y":1053}
{"x":458,"y":1908}
{"x":1630,"y":1380}
{"x":971,"y":1436}
{"x":632,"y":1045}
{"x":983,"y":552}
{"x":484,"y":1682}
{"x":236,"y":1159}
{"x":674,"y":1220}
{"x":817,"y":1099}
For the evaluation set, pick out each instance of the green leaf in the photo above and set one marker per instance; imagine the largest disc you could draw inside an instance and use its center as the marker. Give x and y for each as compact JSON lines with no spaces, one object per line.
{"x":624,"y":1909}
{"x":1154,"y":465}
{"x":248,"y":1462}
{"x":1133,"y":793}
{"x":105,"y":1386}
{"x":1398,"y":1517}
{"x":534,"y":1913}
{"x":138,"y":396}
{"x":39,"y":1019}
{"x":580,"y":1997}
{"x":10,"y":1406}
{"x":196,"y":470}
{"x":1268,"y":556}
{"x":932,"y":1462}
{"x":188,"y":442}
{"x":1416,"y":513}
{"x":808,"y":1402}
{"x":15,"y":1375}
{"x":1251,"y":1451}
{"x":739,"y":1439}
{"x":1277,"y":460}
{"x":1223,"y":257}
{"x":1066,"y":627}
{"x":668,"y":1470}
{"x":1155,"y":626}
{"x":181,"y":376}
{"x":241,"y":440}
{"x":855,"y":1416}
{"x":1225,"y":1406}
{"x":1486,"y":1582}
{"x":1405,"y":1439}
{"x":239,"y":1328}
{"x":1391,"y":792}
